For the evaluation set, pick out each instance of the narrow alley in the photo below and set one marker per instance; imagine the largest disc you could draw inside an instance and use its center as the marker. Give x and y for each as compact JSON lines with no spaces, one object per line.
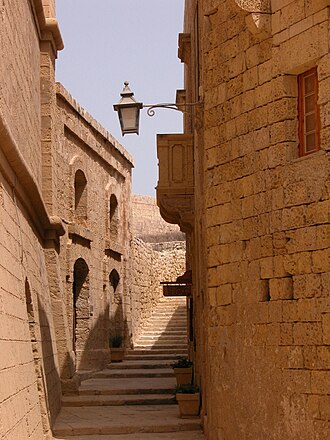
{"x":135,"y":399}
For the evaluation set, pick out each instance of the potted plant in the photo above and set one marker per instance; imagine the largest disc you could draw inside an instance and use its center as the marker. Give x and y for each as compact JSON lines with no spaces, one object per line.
{"x":116,"y":349}
{"x":187,"y":397}
{"x":183,"y":371}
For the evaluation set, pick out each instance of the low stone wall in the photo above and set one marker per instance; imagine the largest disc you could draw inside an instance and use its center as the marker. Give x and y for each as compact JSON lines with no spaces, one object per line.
{"x":148,"y":225}
{"x":152,"y":263}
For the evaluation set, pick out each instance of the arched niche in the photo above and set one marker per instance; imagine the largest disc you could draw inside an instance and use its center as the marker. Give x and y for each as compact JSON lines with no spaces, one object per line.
{"x":81,"y":308}
{"x":80,"y":197}
{"x":113,"y":217}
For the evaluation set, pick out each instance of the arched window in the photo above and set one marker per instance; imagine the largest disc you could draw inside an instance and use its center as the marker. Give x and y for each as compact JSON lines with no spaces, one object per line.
{"x":114,"y":279}
{"x":113,"y":217}
{"x":80,"y":197}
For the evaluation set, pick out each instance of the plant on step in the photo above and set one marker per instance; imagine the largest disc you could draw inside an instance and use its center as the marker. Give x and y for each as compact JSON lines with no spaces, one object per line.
{"x":186,"y":389}
{"x":182,"y":363}
{"x":188,"y":399}
{"x":183,"y":371}
{"x":116,"y":341}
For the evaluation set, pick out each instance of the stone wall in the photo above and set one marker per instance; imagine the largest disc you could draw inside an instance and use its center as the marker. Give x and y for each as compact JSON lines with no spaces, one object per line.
{"x":264,"y":213}
{"x":158,"y":254}
{"x":152,"y":263}
{"x":94,"y":184}
{"x":29,"y":373}
{"x":147,"y":223}
{"x":63,"y":239}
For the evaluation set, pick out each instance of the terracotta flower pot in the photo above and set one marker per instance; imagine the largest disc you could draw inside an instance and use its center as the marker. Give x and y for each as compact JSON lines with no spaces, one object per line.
{"x":188,"y":405}
{"x":117,"y":354}
{"x":183,"y":375}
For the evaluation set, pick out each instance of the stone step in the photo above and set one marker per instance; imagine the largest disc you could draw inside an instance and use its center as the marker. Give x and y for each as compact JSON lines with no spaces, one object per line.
{"x":127,"y":419}
{"x":155,"y":350}
{"x":155,"y":340}
{"x":174,"y":351}
{"x":161,"y":337}
{"x":181,"y":435}
{"x":145,"y":364}
{"x":123,"y":386}
{"x":154,"y":356}
{"x":117,"y":400}
{"x":134,"y":373}
{"x":165,"y":325}
{"x":165,"y":332}
{"x":160,"y":346}
{"x":168,"y":317}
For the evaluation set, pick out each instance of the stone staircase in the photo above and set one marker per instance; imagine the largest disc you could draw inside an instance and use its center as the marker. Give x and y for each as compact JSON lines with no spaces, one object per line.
{"x":134,"y":399}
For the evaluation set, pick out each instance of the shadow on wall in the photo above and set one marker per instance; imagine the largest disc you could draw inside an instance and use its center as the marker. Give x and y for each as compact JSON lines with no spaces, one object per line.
{"x":91,"y":334}
{"x":118,"y":325}
{"x":50,"y":376}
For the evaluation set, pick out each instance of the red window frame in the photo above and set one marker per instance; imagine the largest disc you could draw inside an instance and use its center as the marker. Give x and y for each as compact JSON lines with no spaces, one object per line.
{"x":308,"y":112}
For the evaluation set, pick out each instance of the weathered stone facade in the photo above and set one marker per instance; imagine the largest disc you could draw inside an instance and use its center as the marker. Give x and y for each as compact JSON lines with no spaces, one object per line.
{"x":94,"y":179}
{"x":65,"y":187}
{"x":260,"y":226}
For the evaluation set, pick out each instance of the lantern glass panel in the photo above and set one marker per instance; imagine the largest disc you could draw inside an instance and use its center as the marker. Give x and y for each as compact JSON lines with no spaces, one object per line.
{"x":129,"y":119}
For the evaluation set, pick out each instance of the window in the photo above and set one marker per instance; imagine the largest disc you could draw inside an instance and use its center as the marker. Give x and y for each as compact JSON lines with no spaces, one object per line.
{"x":80,"y":197}
{"x":308,"y":111}
{"x":114,"y":217}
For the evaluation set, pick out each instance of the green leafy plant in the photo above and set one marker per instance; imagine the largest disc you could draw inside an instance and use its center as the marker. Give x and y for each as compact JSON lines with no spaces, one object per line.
{"x":116,"y":341}
{"x":186,"y":389}
{"x":182,"y":363}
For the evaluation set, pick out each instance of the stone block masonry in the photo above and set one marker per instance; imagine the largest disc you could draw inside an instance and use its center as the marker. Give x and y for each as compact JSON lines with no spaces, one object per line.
{"x":148,"y":225}
{"x":265,"y":215}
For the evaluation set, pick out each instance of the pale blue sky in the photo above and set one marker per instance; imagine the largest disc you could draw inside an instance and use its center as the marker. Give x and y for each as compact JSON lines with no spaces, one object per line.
{"x":110,"y":41}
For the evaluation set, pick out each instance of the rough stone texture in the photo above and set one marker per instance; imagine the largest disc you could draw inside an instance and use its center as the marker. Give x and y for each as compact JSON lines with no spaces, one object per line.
{"x":152,"y":263}
{"x":260,"y":254}
{"x":51,"y":223}
{"x":94,"y":234}
{"x":158,"y":254}
{"x":148,"y":225}
{"x":29,"y":373}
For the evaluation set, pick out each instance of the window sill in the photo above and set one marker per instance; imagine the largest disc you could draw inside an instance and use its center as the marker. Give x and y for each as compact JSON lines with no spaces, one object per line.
{"x":309,"y":156}
{"x":80,"y":231}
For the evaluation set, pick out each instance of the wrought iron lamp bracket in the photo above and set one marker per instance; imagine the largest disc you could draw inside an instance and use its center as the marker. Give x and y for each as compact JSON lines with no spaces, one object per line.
{"x":178,"y":107}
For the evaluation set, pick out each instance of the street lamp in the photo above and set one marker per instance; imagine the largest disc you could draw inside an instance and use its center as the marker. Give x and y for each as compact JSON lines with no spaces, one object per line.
{"x":129,"y":110}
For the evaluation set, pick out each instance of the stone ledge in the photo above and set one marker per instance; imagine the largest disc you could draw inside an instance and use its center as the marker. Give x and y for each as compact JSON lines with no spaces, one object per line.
{"x":115,"y":247}
{"x":80,"y":231}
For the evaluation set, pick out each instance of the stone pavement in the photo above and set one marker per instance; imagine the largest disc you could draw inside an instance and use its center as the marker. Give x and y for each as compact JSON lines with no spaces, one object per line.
{"x":134,"y":400}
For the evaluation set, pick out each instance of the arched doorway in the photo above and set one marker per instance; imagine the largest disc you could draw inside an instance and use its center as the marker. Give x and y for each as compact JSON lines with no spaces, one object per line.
{"x":80,"y":305}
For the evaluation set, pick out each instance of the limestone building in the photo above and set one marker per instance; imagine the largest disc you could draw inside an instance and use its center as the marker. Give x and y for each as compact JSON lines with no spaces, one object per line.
{"x":248,"y":181}
{"x":65,"y":186}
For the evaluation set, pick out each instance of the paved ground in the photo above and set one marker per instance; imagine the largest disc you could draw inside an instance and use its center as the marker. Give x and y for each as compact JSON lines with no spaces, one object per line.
{"x":123,"y":420}
{"x":191,"y":435}
{"x":132,"y":400}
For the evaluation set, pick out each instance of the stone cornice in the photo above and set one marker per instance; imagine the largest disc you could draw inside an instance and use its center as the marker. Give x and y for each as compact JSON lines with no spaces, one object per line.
{"x":20,"y":177}
{"x":184,"y":47}
{"x":46,"y":24}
